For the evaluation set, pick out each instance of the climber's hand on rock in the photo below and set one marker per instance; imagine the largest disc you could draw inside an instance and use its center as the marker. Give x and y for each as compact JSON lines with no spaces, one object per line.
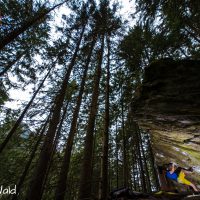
{"x":190,"y":169}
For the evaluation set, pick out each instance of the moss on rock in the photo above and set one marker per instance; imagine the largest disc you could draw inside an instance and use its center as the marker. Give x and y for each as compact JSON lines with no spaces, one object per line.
{"x":168,"y":106}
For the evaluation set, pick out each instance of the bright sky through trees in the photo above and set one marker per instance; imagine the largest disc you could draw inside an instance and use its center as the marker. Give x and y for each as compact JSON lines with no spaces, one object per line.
{"x":19,"y":96}
{"x":71,"y":72}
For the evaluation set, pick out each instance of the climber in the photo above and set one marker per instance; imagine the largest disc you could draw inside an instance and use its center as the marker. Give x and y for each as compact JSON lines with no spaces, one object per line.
{"x":178,"y":174}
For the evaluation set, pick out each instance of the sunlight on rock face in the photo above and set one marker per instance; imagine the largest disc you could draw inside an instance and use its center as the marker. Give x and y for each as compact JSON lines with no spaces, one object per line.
{"x":169,"y":109}
{"x":197,"y":169}
{"x":160,"y":155}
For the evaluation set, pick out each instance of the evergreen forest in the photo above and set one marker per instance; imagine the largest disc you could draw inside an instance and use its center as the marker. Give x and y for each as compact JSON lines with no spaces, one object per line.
{"x":69,"y":72}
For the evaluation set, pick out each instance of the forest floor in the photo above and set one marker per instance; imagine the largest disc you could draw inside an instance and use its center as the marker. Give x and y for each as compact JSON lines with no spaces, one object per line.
{"x":171,"y":196}
{"x":160,"y":195}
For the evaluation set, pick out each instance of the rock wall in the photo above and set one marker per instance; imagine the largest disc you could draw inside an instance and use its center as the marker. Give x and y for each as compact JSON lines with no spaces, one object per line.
{"x":168,"y":105}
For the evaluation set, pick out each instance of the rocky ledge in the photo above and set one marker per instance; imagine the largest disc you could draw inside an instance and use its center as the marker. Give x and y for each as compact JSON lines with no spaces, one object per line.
{"x":168,"y":106}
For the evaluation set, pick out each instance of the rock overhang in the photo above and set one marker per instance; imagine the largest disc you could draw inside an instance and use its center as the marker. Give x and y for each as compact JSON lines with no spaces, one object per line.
{"x":168,"y":105}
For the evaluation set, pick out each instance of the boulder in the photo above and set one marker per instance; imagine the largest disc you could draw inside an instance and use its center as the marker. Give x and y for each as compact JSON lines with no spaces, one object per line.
{"x":167,"y":104}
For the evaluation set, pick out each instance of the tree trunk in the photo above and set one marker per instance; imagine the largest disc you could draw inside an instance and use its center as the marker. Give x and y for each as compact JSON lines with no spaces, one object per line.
{"x":144,"y":189}
{"x":45,"y":155}
{"x":133,"y":168}
{"x":95,"y":163}
{"x":110,"y":179}
{"x":28,"y":164}
{"x":104,"y":167}
{"x":124,"y":144}
{"x":16,"y":32}
{"x":116,"y":154}
{"x":148,"y":186}
{"x":55,"y":144}
{"x":19,"y":120}
{"x":62,"y":183}
{"x":86,"y":173}
{"x":195,"y":37}
{"x":153,"y":164}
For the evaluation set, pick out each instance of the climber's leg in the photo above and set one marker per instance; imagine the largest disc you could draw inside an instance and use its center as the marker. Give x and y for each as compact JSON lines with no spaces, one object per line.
{"x":183,"y":180}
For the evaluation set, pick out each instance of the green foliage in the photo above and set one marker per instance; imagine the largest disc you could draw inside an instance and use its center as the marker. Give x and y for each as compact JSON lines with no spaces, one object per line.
{"x":3,"y":94}
{"x":18,"y":56}
{"x":13,"y":159}
{"x":177,"y":20}
{"x":158,"y":33}
{"x":164,"y":29}
{"x":71,"y":90}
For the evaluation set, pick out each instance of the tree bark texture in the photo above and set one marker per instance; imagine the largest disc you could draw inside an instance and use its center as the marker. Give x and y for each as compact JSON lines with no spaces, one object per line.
{"x":148,"y":182}
{"x":143,"y":182}
{"x":104,"y":167}
{"x":86,"y":173}
{"x":62,"y":182}
{"x":125,"y":176}
{"x":45,"y":155}
{"x":55,"y":144}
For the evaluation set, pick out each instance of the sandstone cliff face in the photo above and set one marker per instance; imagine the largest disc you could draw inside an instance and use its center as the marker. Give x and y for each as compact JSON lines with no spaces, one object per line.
{"x":168,"y":105}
